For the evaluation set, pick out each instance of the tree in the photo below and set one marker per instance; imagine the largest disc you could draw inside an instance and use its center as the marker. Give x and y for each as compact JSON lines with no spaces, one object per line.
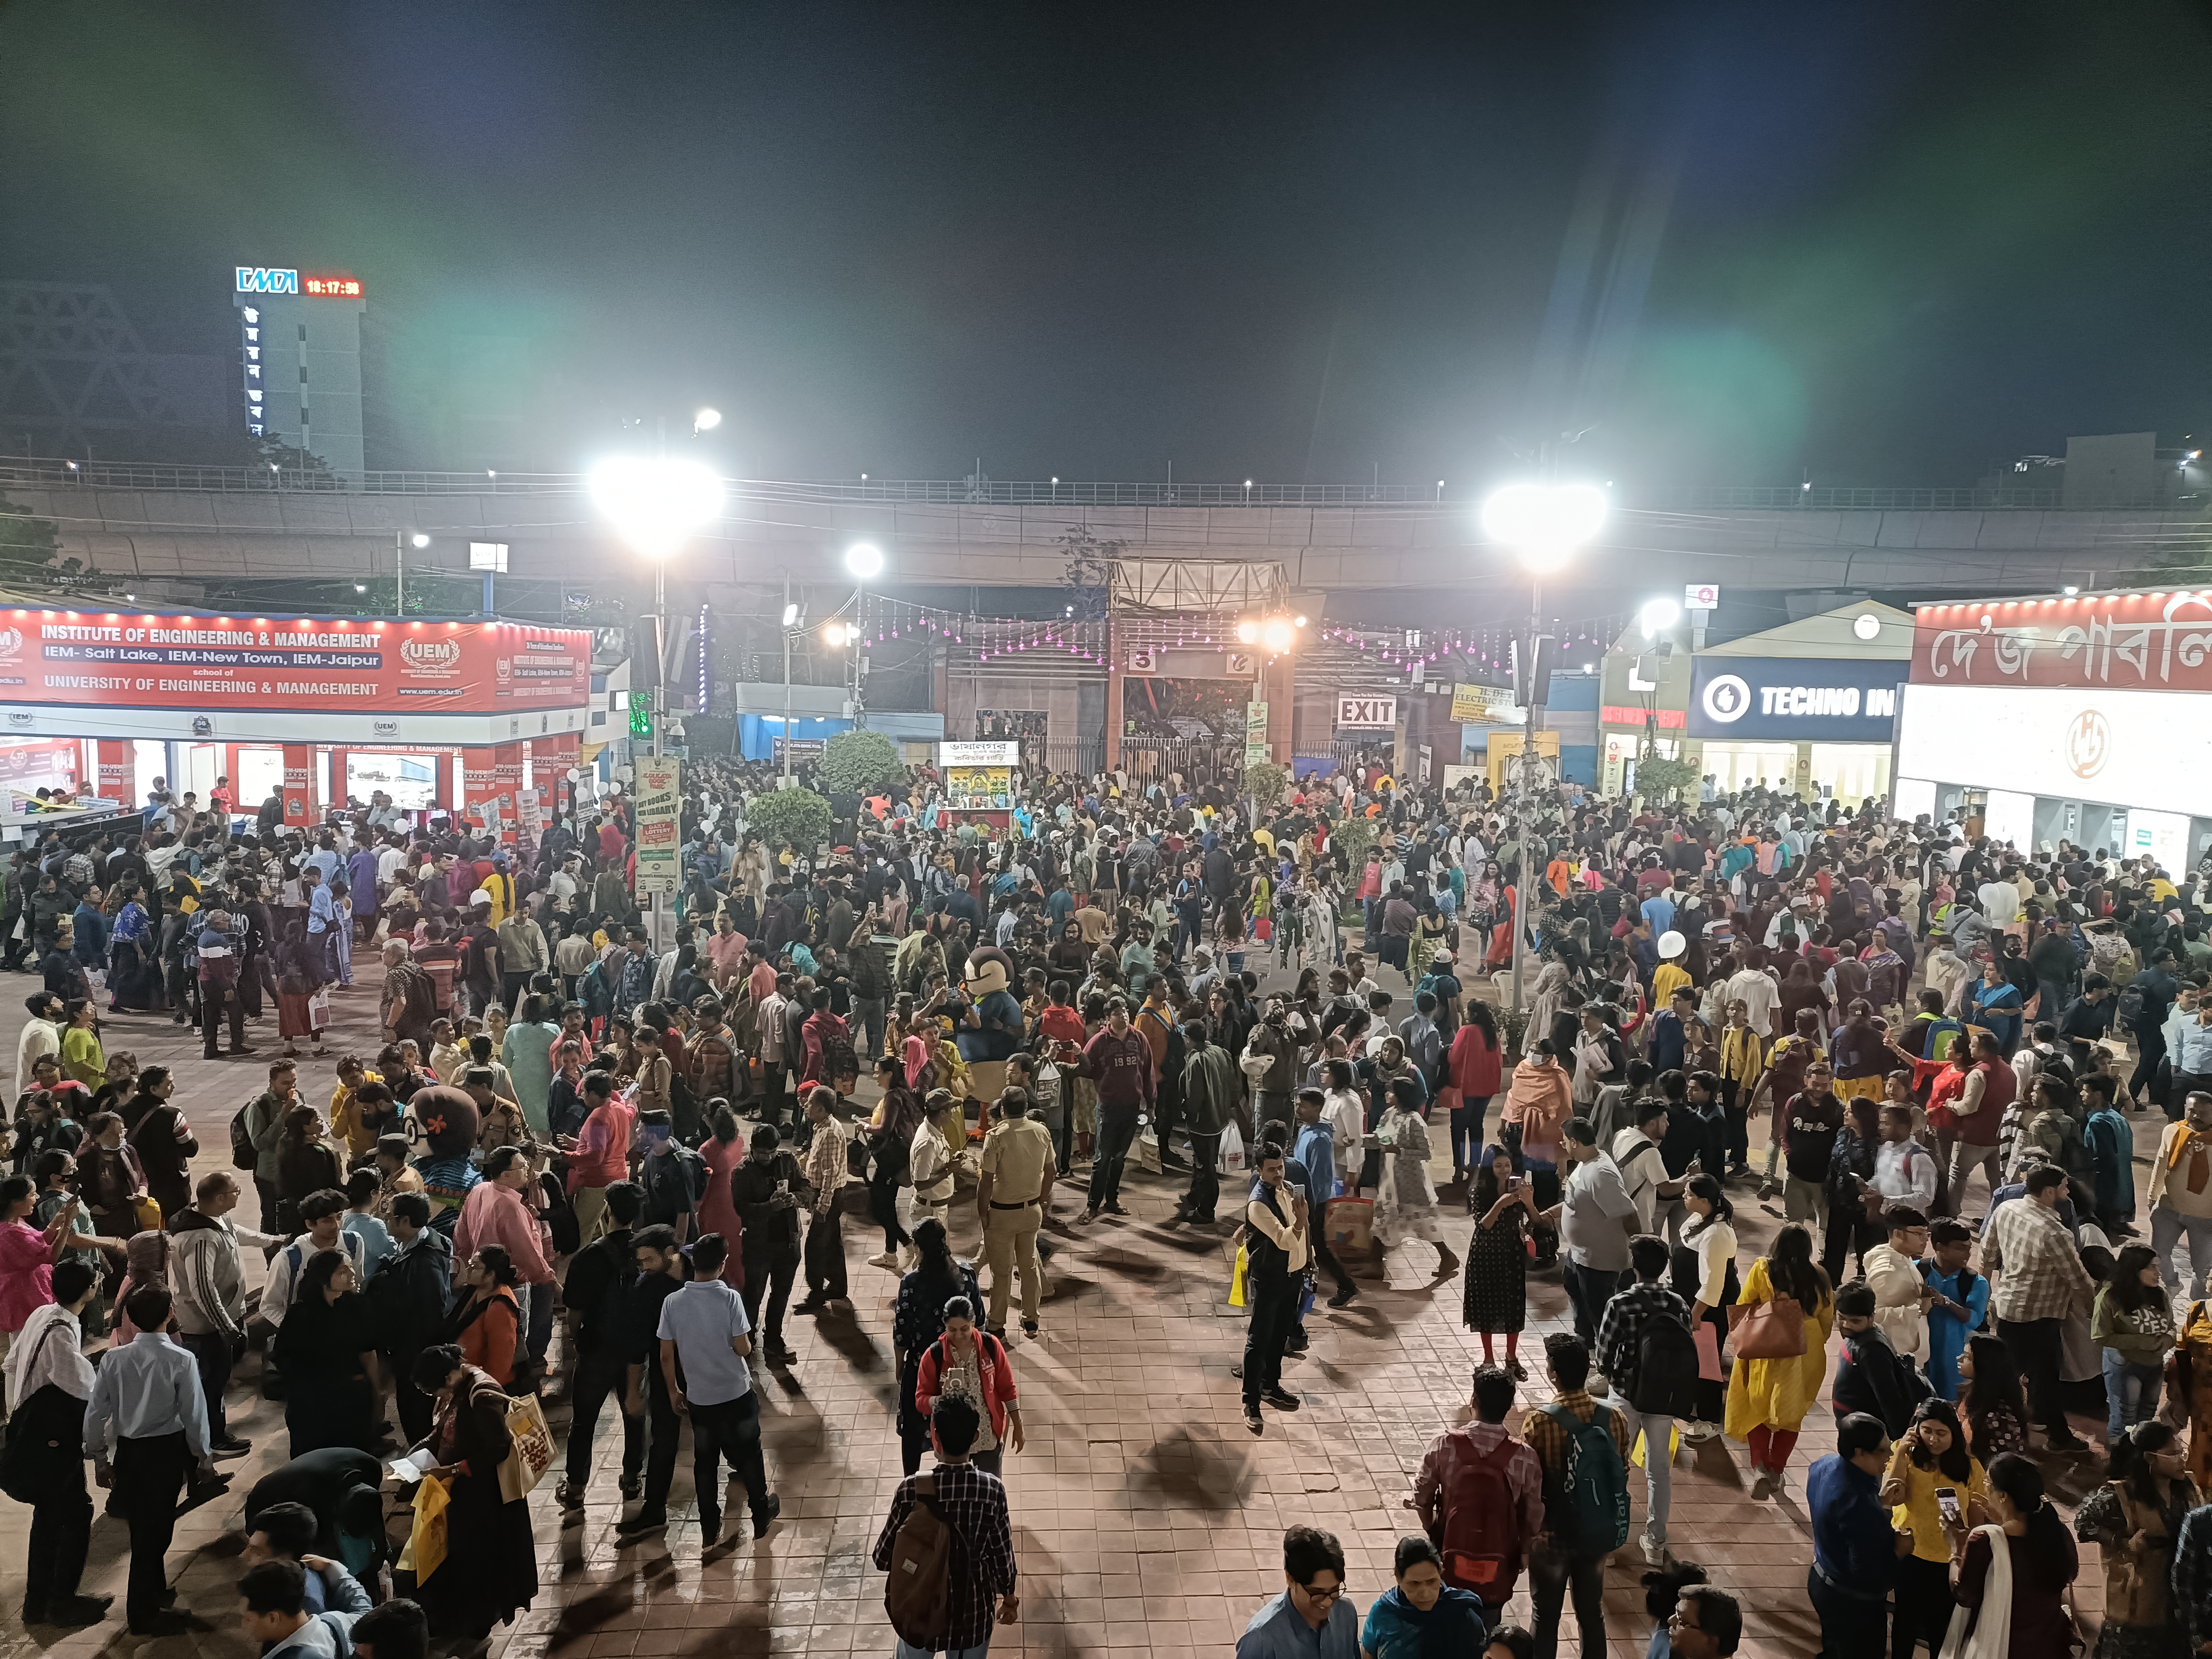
{"x":858,"y":762}
{"x":1659,"y":780}
{"x":28,"y":547}
{"x":1266,"y":783}
{"x":798,"y":817}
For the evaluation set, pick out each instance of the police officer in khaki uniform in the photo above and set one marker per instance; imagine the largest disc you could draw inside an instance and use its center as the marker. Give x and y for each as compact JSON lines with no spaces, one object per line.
{"x":1010,"y":1196}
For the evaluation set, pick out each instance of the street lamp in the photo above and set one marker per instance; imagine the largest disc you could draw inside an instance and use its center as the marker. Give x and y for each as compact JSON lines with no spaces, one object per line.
{"x":1543,"y":523}
{"x":706,"y":421}
{"x":399,"y":540}
{"x":864,"y":561}
{"x":1657,"y":616}
{"x":656,"y":504}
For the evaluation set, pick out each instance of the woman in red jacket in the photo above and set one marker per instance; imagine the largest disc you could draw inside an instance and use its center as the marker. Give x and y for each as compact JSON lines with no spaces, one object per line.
{"x":1472,"y":1068}
{"x":972,"y":1366}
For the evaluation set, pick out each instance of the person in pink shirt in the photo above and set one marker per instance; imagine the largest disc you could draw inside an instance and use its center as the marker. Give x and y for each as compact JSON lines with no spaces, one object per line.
{"x":726,"y":951}
{"x":598,"y":1156}
{"x":26,"y":1255}
{"x":499,"y":1211}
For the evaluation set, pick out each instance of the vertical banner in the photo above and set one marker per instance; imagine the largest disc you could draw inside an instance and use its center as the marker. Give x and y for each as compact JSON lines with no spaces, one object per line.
{"x":1256,"y":733}
{"x":117,"y":762}
{"x":530,"y":814}
{"x":299,"y":784}
{"x":658,"y":795}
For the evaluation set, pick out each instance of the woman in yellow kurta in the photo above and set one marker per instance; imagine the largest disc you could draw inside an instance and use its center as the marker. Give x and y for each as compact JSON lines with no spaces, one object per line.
{"x":1767,"y":1399}
{"x":1930,"y":1457}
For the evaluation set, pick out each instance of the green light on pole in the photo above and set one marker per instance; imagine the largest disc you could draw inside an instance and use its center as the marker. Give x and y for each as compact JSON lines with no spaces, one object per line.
{"x":640,"y":716}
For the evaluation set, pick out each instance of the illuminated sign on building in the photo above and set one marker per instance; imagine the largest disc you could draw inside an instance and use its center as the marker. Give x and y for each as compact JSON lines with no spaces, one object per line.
{"x":331,"y":288}
{"x":259,"y":279}
{"x":250,"y":317}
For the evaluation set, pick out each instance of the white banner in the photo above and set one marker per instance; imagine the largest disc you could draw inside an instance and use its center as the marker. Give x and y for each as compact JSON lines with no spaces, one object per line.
{"x":1365,"y":714}
{"x":659,"y":801}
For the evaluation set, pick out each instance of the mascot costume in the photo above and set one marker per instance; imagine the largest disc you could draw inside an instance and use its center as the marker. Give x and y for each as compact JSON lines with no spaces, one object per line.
{"x":443,"y":1123}
{"x":986,"y":1047}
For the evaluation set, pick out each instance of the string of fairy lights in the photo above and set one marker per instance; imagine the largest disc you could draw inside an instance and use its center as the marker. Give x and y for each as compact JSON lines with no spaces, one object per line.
{"x":1485,"y":649}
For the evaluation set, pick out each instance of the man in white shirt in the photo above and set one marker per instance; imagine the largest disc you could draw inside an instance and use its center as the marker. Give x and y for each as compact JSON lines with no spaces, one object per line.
{"x":324,"y":1215}
{"x":1901,"y":1295}
{"x":1904,"y":1170}
{"x":1345,"y":1113}
{"x":2000,"y":901}
{"x":1642,"y":1172}
{"x":1759,"y":993}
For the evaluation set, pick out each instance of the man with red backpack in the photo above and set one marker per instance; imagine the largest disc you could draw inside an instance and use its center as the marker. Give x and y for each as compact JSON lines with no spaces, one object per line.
{"x":1480,"y":1496}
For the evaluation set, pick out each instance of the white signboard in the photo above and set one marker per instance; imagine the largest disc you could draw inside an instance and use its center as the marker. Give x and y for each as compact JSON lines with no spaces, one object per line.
{"x":979,"y":754}
{"x":2147,"y":749}
{"x":1365,"y":714}
{"x":1701,"y":596}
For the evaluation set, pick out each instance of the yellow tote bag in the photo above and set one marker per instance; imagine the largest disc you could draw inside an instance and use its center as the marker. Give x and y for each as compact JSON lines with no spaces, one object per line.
{"x":426,"y":1543}
{"x":1236,"y":1280}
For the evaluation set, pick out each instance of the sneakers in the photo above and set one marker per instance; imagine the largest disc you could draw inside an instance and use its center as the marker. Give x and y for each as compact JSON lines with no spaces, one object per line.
{"x":886,"y":1259}
{"x":1654,"y":1554}
{"x":230,"y":1446}
{"x":1281,"y":1400}
{"x":569,"y":1495}
{"x":1254,"y":1421}
{"x":1763,"y":1487}
{"x":764,"y":1517}
{"x":1029,"y":1327}
{"x":1344,"y":1298}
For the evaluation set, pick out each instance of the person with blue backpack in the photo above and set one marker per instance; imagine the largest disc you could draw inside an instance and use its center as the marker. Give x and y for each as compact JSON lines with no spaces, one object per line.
{"x":1583,"y":1449}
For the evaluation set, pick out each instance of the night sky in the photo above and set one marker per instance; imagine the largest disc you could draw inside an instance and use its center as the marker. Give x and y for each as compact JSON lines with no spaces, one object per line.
{"x":1879,"y":244}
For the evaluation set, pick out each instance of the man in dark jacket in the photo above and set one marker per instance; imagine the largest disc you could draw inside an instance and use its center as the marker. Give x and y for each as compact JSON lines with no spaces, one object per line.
{"x":770,"y":1193}
{"x":408,"y":1295}
{"x":597,"y":1297}
{"x":1212,"y":1094}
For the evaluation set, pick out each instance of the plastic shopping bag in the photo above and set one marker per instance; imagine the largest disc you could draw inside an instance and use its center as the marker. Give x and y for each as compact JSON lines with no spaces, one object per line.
{"x":426,"y":1543}
{"x":1236,"y":1280}
{"x":1231,"y":1160}
{"x":1674,"y":1445}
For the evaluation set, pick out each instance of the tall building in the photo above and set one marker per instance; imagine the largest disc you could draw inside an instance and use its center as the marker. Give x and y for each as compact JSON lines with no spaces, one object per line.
{"x":300,"y":361}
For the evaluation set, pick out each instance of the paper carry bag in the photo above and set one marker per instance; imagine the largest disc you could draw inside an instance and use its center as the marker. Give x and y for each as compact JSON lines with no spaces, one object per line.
{"x":523,"y":1468}
{"x":1350,"y":1223}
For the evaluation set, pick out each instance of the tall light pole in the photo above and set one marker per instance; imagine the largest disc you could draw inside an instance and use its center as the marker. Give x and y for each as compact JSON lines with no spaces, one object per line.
{"x":1543,"y":524}
{"x":655,"y":504}
{"x":864,"y":561}
{"x":399,"y":567}
{"x":790,"y":623}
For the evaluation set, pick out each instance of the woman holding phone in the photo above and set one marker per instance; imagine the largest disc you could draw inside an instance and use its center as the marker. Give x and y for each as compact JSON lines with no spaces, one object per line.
{"x":1931,"y":1477}
{"x":1496,"y":1299}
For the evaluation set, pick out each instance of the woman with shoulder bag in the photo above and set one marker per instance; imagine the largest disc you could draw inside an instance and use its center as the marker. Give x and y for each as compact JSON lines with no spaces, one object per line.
{"x":1772,"y":1388}
{"x":968,"y":1364}
{"x":2135,"y":1519}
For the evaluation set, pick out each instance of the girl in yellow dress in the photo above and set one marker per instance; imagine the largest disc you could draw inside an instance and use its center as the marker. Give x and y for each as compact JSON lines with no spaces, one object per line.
{"x":1767,"y":1399}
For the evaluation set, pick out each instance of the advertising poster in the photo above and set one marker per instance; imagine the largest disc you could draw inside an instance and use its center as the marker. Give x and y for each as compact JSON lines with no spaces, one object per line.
{"x":660,"y":799}
{"x":1256,"y":733}
{"x":1486,"y":705}
{"x":979,"y":788}
{"x":345,"y":666}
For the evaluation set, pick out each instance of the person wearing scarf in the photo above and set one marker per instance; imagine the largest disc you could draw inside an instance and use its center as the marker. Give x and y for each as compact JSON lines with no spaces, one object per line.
{"x":1421,"y":1617}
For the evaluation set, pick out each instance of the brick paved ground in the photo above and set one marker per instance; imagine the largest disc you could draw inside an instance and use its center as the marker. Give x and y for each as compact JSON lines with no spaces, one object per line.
{"x":1146,"y":1518}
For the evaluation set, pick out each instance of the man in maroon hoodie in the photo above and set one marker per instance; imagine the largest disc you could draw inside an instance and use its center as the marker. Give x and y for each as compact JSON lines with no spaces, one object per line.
{"x":1120,"y":1063}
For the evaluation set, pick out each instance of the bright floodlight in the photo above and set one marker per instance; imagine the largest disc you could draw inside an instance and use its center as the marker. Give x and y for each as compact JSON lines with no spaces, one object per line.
{"x":1275,"y":634}
{"x":1544,"y":523}
{"x":1658,"y":616}
{"x":421,"y":540}
{"x":864,"y":560}
{"x":836,"y":634}
{"x":707,"y":420}
{"x":1247,"y":632}
{"x":790,"y":615}
{"x":656,"y":504}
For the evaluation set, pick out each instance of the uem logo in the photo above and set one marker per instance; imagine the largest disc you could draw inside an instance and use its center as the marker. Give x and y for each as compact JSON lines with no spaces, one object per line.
{"x":431,"y":656}
{"x":260,"y":279}
{"x":11,"y":641}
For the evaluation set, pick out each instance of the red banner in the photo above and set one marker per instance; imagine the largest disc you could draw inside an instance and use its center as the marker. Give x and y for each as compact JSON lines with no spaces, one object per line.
{"x":345,"y":666}
{"x":42,"y":761}
{"x":2154,"y":641}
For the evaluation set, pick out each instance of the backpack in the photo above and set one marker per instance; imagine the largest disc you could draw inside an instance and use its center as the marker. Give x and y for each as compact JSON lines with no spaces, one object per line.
{"x":695,"y":1174}
{"x":559,"y":1216}
{"x":1665,"y":1371}
{"x":1586,"y":1505}
{"x":591,"y":991}
{"x":918,"y":1593}
{"x":243,"y":1153}
{"x":2130,"y":1011}
{"x":1482,"y":1543}
{"x":838,"y":1059}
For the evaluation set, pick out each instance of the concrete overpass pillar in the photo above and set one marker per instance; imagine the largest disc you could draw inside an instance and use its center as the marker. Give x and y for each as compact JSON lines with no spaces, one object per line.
{"x":1278,"y":684}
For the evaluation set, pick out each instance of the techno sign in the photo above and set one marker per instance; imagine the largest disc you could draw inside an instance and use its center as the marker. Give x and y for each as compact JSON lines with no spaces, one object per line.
{"x":1793,"y":699}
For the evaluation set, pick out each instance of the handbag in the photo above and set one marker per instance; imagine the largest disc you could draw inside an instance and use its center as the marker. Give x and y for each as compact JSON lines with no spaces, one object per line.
{"x":34,"y":1465}
{"x":1767,"y":1330}
{"x":531,"y":1451}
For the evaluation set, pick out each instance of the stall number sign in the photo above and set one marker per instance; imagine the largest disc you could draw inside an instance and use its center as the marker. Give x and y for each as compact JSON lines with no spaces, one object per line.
{"x":1367,"y":713}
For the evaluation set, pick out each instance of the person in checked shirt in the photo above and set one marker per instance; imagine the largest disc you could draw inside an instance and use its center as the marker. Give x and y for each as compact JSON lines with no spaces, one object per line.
{"x":974,"y":1504}
{"x":1620,"y":1356}
{"x":2042,"y":1282}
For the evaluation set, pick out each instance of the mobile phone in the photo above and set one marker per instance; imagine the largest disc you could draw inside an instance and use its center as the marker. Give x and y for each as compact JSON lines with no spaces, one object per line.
{"x":1947,"y":1500}
{"x":783,"y":1189}
{"x":1515,"y":1183}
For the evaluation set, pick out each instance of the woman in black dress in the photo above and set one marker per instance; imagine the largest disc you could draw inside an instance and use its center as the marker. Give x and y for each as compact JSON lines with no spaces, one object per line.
{"x":1503,"y":1204}
{"x":328,"y":1355}
{"x":490,"y":1570}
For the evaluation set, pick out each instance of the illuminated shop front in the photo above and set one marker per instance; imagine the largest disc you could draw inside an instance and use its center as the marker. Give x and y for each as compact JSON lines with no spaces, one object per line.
{"x":440,"y":715}
{"x":2067,"y":717}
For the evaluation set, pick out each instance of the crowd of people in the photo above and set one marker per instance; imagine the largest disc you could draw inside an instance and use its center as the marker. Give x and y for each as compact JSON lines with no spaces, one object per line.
{"x":642,"y":1131}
